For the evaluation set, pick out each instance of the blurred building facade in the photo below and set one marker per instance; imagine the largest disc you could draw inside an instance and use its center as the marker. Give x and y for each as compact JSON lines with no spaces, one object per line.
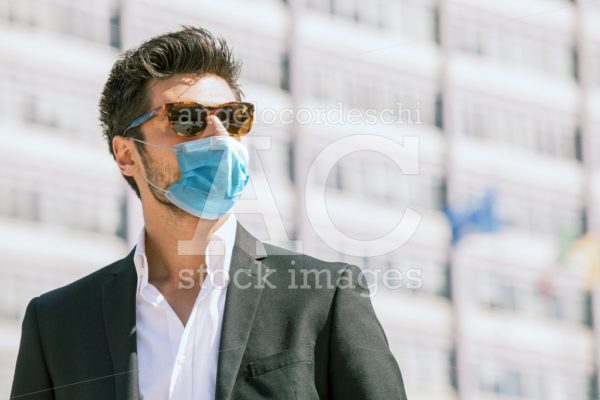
{"x":503,"y":97}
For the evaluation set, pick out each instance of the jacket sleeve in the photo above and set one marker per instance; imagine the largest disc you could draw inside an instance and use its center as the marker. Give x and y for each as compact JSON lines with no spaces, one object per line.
{"x":31,"y":381}
{"x":361,"y":364}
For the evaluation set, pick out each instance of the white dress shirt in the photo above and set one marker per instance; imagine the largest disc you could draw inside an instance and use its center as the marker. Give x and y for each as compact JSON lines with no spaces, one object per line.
{"x":177,"y":362}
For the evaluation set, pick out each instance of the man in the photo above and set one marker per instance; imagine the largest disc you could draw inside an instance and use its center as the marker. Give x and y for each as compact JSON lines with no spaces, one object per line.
{"x":200,"y":308}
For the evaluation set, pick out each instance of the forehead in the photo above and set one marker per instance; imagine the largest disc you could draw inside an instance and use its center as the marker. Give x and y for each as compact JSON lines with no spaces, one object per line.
{"x":209,"y":90}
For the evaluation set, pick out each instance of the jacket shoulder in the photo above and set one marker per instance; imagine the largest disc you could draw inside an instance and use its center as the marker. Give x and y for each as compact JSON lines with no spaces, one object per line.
{"x":301,"y":259}
{"x":276,"y":251}
{"x":87,"y":287}
{"x":297,"y":270}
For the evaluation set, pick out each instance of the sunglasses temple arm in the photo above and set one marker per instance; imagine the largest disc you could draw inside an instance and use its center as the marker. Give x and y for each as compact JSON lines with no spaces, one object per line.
{"x":142,"y":119}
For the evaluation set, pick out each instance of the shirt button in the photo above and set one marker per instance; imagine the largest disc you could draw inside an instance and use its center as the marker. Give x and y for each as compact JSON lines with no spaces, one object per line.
{"x":181,"y":359}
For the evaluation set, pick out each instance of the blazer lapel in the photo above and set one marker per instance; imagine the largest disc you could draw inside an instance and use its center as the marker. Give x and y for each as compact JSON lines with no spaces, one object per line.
{"x":240,"y":308}
{"x":119,"y":318}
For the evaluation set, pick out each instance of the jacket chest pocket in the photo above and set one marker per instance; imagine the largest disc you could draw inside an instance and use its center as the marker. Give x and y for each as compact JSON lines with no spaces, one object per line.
{"x":289,"y":357}
{"x":285,"y":375}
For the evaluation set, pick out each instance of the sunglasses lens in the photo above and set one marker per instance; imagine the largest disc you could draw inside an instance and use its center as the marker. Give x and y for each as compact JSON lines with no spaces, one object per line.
{"x":187,"y":119}
{"x":190,"y":119}
{"x":239,"y":118}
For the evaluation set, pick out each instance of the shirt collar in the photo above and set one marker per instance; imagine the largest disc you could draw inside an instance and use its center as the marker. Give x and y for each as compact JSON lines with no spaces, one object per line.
{"x":225,"y":234}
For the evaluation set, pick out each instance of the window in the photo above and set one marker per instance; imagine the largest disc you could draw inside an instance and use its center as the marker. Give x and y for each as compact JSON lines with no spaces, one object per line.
{"x":500,"y":378}
{"x":57,"y":196}
{"x":423,"y":358}
{"x":495,"y":120}
{"x":408,"y":100}
{"x":264,"y":59}
{"x":413,"y":18}
{"x":515,"y":288}
{"x":594,"y":62}
{"x":421,"y":268}
{"x":519,"y":374}
{"x":531,"y":207}
{"x":91,"y":21}
{"x":371,"y":176}
{"x":511,"y":41}
{"x":45,"y":99}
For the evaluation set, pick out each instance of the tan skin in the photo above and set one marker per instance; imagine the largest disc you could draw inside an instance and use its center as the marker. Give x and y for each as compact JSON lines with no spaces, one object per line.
{"x":165,"y":225}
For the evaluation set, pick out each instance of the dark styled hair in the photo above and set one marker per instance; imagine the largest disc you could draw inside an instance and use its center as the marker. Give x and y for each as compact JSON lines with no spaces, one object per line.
{"x":189,"y":50}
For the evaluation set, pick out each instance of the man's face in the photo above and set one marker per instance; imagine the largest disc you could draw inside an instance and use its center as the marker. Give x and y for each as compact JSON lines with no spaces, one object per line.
{"x":160,"y":165}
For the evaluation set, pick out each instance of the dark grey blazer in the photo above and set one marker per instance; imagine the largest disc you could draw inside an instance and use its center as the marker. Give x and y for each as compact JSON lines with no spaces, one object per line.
{"x":283,"y":337}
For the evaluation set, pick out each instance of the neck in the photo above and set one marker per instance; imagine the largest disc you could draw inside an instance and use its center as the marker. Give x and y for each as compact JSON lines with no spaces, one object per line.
{"x":176,"y":244}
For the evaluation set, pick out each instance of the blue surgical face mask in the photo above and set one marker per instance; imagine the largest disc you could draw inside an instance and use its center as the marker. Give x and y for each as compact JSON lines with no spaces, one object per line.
{"x":214,"y":173}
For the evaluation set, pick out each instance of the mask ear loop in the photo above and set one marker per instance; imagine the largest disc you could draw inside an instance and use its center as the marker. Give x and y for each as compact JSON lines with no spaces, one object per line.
{"x":144,"y":175}
{"x":153,"y":185}
{"x":152,"y":144}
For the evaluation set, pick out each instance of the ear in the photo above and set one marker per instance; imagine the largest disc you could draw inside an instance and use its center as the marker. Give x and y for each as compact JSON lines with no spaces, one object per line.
{"x":123,"y":150}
